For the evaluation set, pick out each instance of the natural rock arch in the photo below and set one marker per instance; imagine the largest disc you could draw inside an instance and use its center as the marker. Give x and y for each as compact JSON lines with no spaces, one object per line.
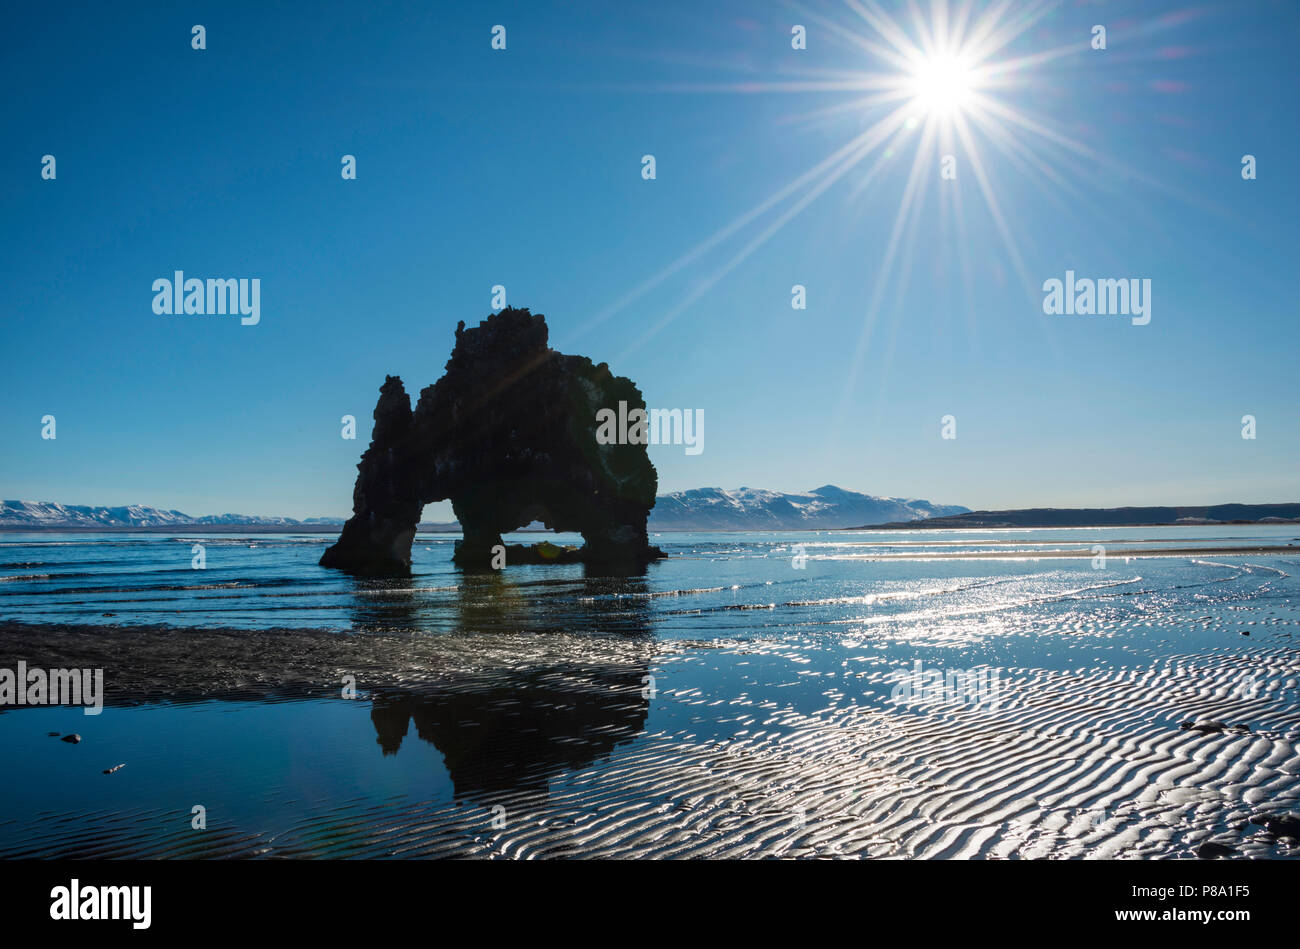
{"x":508,"y":434}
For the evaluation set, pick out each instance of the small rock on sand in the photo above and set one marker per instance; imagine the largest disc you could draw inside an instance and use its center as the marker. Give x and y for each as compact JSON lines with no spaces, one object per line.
{"x":1206,"y":728}
{"x":1209,"y":850}
{"x":1280,"y":825}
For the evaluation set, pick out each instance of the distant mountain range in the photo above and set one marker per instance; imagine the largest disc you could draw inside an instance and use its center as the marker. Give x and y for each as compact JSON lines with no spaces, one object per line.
{"x":1116,"y":516}
{"x":741,"y":509}
{"x":824,"y":508}
{"x":749,"y":509}
{"x":27,"y":515}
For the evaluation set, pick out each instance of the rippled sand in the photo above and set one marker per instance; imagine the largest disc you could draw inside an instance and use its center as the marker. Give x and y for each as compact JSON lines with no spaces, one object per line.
{"x":1140,"y":712}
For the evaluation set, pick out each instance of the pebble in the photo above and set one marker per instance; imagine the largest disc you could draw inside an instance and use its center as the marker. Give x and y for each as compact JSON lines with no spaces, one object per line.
{"x":1284,"y":825}
{"x":1206,"y":728}
{"x":1209,"y":850}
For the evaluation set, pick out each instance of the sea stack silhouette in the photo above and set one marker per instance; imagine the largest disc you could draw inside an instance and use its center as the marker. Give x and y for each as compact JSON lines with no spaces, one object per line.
{"x":508,"y":434}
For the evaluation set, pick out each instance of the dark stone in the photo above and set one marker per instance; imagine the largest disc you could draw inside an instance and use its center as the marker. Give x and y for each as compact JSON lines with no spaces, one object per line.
{"x":508,"y":434}
{"x":1207,"y":728}
{"x":72,"y":739}
{"x":1283,"y":825}
{"x":1211,"y":850}
{"x":1204,"y":728}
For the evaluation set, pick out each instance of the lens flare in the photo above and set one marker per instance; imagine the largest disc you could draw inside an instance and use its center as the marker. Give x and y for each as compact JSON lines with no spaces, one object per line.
{"x":942,"y":83}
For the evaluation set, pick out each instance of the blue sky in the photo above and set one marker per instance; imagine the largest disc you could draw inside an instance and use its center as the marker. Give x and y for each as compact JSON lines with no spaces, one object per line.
{"x":522,"y":167}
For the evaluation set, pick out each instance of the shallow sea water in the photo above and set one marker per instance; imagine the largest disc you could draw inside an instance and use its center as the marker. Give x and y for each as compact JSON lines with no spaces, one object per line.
{"x":727,"y":703}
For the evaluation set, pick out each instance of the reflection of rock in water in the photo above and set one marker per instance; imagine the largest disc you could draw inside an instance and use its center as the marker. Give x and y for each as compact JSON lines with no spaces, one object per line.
{"x":572,"y":599}
{"x":559,"y":691}
{"x":498,"y":735}
{"x":381,"y":604}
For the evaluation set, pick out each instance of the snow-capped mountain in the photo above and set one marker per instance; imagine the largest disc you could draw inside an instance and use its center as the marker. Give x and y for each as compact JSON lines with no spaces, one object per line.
{"x":823,"y":508}
{"x":38,"y":514}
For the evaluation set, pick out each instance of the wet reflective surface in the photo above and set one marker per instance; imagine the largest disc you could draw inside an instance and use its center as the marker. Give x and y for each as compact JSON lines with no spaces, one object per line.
{"x":726,"y":703}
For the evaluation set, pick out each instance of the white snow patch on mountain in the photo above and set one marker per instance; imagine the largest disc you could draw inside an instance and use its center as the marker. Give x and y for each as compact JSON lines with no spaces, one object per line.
{"x":824,"y":508}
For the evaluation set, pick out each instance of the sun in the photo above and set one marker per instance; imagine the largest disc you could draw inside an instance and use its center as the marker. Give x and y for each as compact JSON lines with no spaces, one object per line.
{"x":934,"y":102}
{"x":942,"y":83}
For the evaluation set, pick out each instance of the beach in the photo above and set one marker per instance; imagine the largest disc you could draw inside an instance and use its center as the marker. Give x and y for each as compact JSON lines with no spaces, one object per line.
{"x":725,"y":704}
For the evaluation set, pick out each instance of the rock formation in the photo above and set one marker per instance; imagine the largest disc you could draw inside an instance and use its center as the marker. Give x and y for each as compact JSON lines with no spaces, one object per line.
{"x":508,"y":434}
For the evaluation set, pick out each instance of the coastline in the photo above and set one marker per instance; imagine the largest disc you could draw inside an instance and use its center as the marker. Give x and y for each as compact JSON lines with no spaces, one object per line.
{"x":1111,"y":553}
{"x":166,"y":663}
{"x":1138,"y":711}
{"x":1160,"y":756}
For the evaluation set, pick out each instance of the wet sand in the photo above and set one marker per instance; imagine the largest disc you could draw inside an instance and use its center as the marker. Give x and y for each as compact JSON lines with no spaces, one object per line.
{"x":736,"y":701}
{"x":555,"y":730}
{"x":1049,"y":553}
